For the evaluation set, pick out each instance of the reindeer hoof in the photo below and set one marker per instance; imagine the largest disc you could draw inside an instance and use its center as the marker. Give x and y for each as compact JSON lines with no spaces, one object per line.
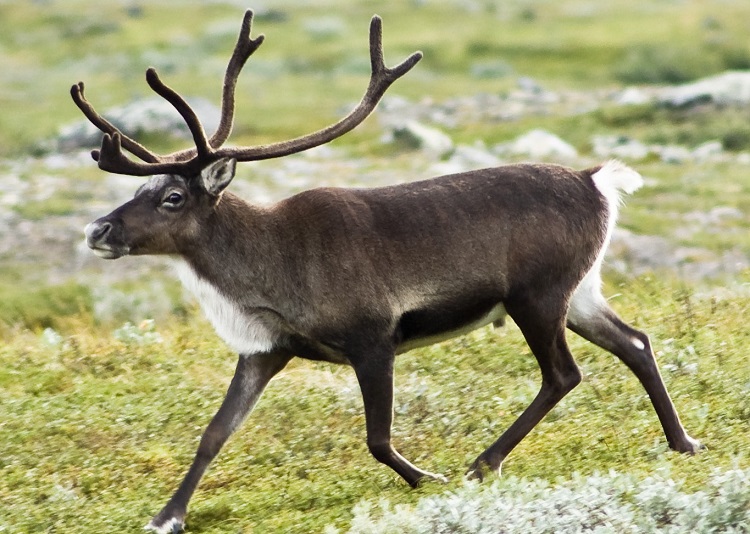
{"x":688,"y":446}
{"x":430,"y":477}
{"x":438,"y":478}
{"x":169,"y":526}
{"x":480,"y":470}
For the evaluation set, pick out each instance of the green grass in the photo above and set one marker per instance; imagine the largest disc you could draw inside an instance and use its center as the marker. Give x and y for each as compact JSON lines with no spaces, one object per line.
{"x":97,"y":433}
{"x":672,"y":191}
{"x":50,"y":207}
{"x":39,"y":307}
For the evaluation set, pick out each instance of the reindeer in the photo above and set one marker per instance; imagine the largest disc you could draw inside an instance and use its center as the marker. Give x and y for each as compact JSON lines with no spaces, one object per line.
{"x":357,"y":276}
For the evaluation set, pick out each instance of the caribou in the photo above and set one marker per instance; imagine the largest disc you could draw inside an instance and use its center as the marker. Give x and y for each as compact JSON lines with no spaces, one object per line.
{"x":356,"y":276}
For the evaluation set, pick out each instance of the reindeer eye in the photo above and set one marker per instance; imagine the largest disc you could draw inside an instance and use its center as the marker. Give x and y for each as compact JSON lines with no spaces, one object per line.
{"x":172,"y":200}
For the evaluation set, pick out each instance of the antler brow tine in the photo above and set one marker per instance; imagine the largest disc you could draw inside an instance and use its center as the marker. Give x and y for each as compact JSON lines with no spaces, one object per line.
{"x":112,"y":159}
{"x":76,"y":92}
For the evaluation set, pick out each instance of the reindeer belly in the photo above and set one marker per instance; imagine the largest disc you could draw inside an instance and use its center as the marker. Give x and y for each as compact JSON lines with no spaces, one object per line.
{"x":420,"y":328}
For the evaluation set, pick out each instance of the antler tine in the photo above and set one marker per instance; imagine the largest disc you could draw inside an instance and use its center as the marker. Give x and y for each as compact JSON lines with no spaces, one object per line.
{"x":244,"y":48}
{"x":183,"y":108}
{"x":76,"y":91}
{"x":381,"y":78}
{"x":204,"y":148}
{"x":112,"y":159}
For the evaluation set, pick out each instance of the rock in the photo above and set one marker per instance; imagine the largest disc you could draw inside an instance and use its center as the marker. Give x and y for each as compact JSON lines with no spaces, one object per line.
{"x":731,"y":87}
{"x":674,"y":154}
{"x":714,"y":217}
{"x":151,"y":115}
{"x":710,"y":150}
{"x":623,"y":147}
{"x":466,"y":158}
{"x":529,"y":85}
{"x":639,"y":254}
{"x":619,"y":146}
{"x":632,"y":96}
{"x":538,"y":144}
{"x":413,"y":134}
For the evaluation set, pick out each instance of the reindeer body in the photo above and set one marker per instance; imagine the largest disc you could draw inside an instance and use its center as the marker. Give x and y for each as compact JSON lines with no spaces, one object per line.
{"x":416,"y":262}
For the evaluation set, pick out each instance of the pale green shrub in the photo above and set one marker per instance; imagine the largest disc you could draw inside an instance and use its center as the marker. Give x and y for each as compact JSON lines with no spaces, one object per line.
{"x":143,"y":334}
{"x":600,"y":503}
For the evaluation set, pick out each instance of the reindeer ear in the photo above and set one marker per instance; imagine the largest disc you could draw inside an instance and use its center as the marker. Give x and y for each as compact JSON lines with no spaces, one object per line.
{"x":216,"y":176}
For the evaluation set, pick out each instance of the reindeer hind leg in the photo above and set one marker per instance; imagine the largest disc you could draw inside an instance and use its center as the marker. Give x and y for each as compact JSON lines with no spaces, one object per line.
{"x":591,"y":317}
{"x":543,"y":326}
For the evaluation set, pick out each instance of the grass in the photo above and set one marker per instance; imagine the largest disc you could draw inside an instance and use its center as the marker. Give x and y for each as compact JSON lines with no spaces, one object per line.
{"x":674,"y":191}
{"x":40,"y":307}
{"x":98,"y":428}
{"x":49,"y":207}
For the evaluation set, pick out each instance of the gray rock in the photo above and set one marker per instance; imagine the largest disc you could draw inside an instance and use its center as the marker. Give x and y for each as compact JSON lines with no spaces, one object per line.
{"x":731,"y":87}
{"x":632,"y":96}
{"x":538,"y":144}
{"x":465,"y":158}
{"x":674,"y":154}
{"x":619,"y":146}
{"x":413,"y":134}
{"x":151,"y":115}
{"x":715,"y":216}
{"x":708,"y":151}
{"x":529,"y":85}
{"x":639,"y":254}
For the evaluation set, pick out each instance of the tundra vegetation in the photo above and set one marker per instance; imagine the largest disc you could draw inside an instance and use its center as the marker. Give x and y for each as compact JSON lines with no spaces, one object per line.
{"x":108,"y":373}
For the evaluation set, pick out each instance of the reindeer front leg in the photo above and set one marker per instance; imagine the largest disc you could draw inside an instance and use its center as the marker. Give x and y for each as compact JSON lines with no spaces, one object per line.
{"x":250,"y":379}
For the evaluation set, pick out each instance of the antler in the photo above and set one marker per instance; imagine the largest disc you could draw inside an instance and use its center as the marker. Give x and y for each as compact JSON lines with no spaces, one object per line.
{"x":111,"y":158}
{"x":187,"y":162}
{"x":381,"y":79}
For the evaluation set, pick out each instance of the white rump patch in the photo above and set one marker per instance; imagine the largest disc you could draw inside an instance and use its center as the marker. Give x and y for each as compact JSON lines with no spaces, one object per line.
{"x":612,"y":180}
{"x":243,"y":332}
{"x":587,"y":301}
{"x":615,"y":178}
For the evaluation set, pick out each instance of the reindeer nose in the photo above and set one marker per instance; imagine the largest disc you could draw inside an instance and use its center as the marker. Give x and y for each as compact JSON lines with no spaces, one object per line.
{"x":96,"y":231}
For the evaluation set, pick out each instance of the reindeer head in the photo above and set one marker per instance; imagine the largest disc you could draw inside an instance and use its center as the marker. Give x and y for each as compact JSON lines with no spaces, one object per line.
{"x":165,"y":214}
{"x":186,"y":185}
